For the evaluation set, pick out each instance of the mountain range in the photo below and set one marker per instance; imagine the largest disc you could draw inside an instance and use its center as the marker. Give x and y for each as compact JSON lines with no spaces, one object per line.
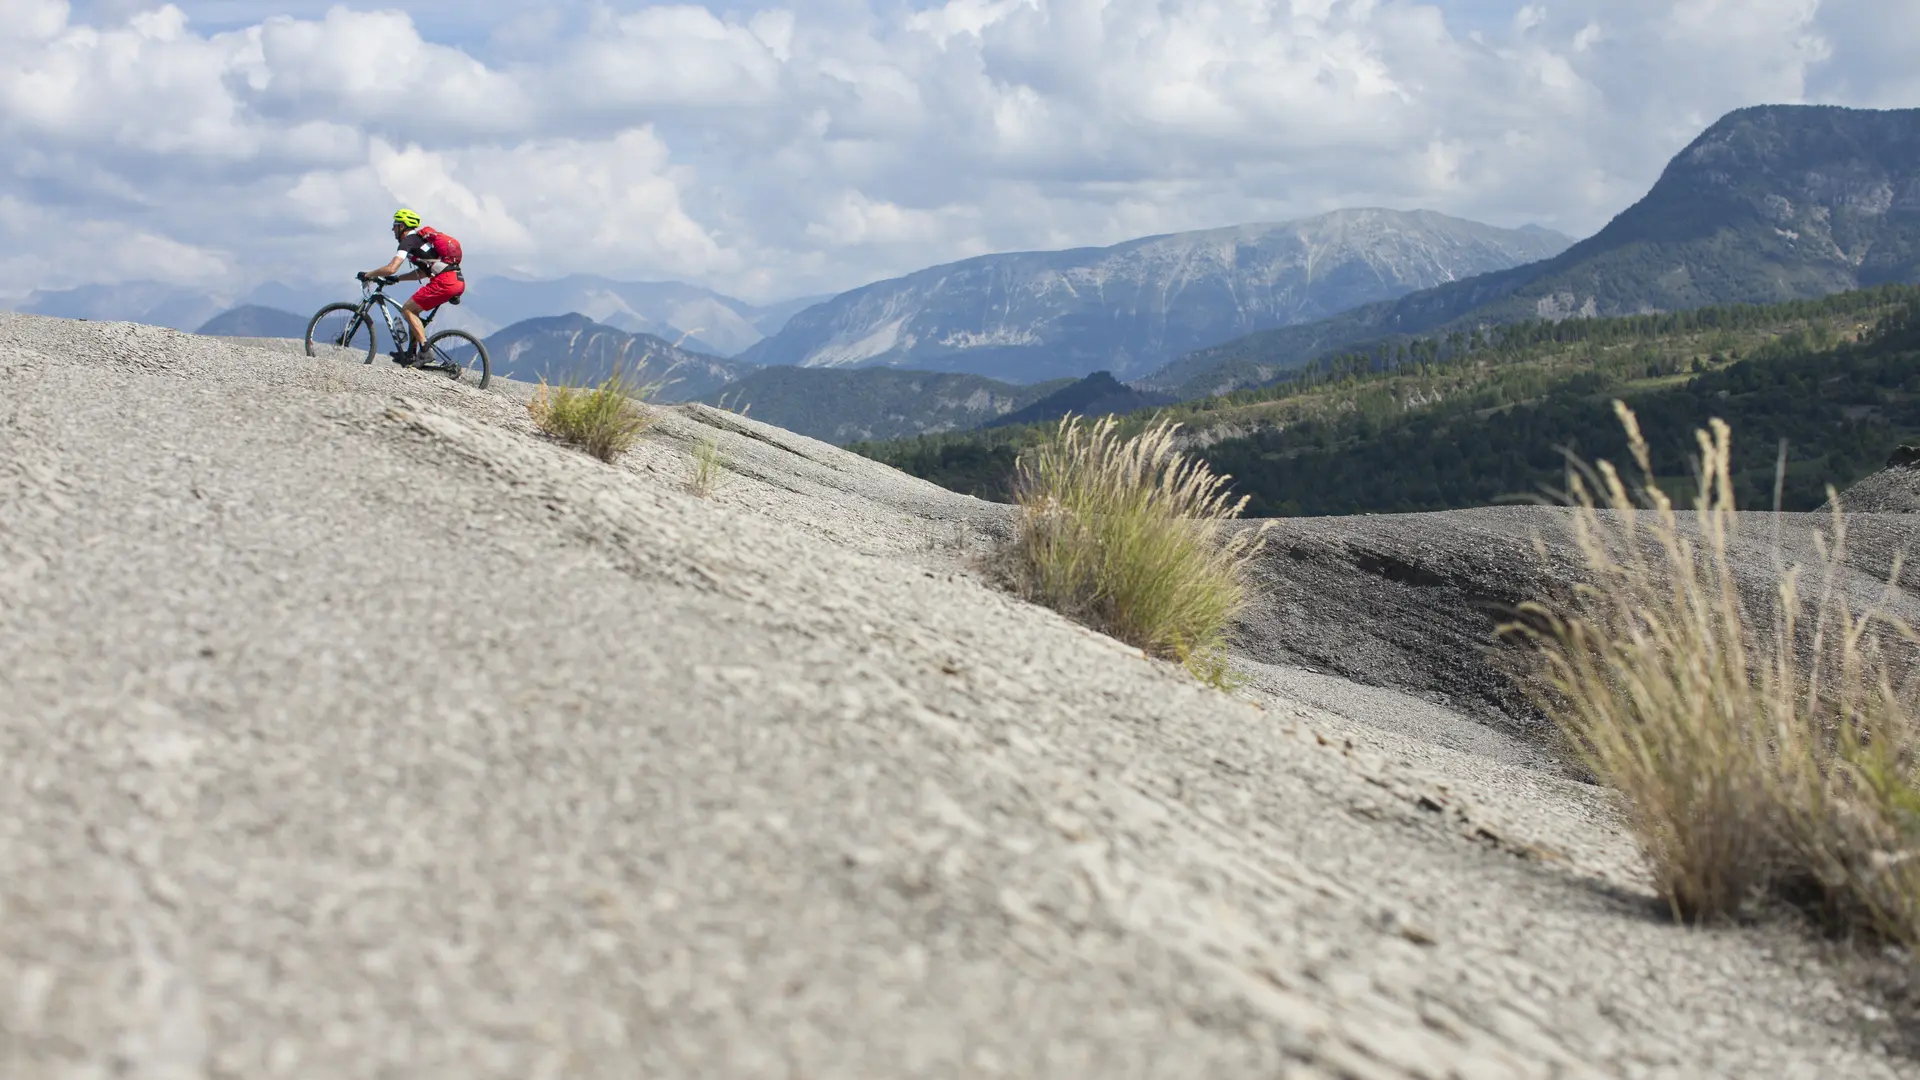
{"x":1768,"y":204}
{"x":557,"y":348}
{"x":1099,"y":394}
{"x":843,"y":406}
{"x":1128,"y":309}
{"x":692,"y":317}
{"x":256,"y":321}
{"x":150,"y":302}
{"x":572,"y":347}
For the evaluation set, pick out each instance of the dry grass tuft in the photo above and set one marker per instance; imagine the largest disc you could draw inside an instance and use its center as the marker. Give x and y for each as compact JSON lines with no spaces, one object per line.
{"x":1134,"y":538}
{"x":1751,"y":763}
{"x":708,"y":469}
{"x":605,"y":421}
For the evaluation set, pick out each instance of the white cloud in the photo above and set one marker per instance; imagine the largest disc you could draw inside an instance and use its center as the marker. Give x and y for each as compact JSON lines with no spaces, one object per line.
{"x":559,"y":205}
{"x":145,"y":84}
{"x":678,"y":55}
{"x":34,"y":20}
{"x":374,"y":68}
{"x":113,"y":250}
{"x":1874,"y":44}
{"x":785,"y":150}
{"x":416,"y":177}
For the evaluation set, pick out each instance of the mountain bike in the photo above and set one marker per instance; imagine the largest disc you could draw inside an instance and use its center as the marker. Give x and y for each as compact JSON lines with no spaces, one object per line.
{"x":351,"y":326}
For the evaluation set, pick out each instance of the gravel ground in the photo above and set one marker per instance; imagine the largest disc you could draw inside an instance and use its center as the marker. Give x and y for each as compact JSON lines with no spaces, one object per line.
{"x":1892,"y":490}
{"x":349,"y":728}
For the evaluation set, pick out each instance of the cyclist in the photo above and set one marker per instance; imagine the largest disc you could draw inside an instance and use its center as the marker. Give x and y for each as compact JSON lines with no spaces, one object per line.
{"x":436,"y":257}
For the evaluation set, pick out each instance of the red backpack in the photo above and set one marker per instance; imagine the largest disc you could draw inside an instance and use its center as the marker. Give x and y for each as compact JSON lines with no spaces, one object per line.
{"x":445,"y":247}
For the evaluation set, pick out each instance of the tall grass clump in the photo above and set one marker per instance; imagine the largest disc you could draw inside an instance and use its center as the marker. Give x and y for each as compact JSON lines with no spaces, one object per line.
{"x":1134,"y":538}
{"x":1756,"y":754}
{"x":708,"y":466}
{"x":604,"y":420}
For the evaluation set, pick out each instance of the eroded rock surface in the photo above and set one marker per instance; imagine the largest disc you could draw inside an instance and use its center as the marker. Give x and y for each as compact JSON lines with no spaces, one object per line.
{"x":350,"y":728}
{"x":1413,"y":602}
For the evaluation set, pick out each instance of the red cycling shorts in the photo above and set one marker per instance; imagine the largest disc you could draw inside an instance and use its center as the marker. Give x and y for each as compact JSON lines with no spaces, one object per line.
{"x":439,"y":289}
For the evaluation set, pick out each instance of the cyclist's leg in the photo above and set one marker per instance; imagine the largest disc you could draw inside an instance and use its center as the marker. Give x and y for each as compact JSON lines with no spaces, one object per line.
{"x":412,"y":309}
{"x":438,"y":290}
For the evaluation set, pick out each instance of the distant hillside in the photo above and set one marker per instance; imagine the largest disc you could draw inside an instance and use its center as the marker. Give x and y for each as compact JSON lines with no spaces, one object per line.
{"x":1463,"y":420}
{"x":1769,"y":204}
{"x":151,"y":302}
{"x":694,"y":318}
{"x":1099,"y":394}
{"x":253,"y":320}
{"x":1839,"y":404}
{"x":1128,"y":309}
{"x":709,"y":322}
{"x":770,"y":318}
{"x":849,"y":405}
{"x":562,"y":347}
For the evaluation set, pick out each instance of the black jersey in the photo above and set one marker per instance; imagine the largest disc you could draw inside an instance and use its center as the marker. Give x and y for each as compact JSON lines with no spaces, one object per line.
{"x":420,"y":251}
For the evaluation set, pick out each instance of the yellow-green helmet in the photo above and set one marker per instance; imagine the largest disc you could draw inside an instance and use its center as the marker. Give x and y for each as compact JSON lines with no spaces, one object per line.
{"x":404,"y":216}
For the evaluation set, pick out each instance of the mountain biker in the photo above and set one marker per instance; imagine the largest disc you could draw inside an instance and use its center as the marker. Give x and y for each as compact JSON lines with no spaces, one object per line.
{"x":436,"y":257}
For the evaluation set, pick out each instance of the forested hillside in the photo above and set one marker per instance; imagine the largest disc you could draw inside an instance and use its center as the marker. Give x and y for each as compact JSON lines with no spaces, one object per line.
{"x":1467,"y":420}
{"x":840,"y":405}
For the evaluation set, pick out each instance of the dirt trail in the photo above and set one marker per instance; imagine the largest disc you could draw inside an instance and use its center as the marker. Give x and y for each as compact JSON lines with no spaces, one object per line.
{"x":348,"y":728}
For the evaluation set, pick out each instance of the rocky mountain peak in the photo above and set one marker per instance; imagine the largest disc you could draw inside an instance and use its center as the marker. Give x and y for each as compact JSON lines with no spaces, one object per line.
{"x":1028,"y":316}
{"x":573,"y":346}
{"x":1772,"y":203}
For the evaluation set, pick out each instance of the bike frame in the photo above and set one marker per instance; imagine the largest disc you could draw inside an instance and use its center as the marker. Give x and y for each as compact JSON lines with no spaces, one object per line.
{"x":373,"y":294}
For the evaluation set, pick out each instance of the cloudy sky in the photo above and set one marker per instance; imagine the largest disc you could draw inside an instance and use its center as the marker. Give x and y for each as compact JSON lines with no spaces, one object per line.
{"x":774,"y":149}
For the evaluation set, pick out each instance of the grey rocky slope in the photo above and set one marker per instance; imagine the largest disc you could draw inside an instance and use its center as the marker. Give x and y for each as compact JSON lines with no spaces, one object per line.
{"x":1412,"y":603}
{"x":1893,"y":490}
{"x":350,"y":728}
{"x":1130,"y":308}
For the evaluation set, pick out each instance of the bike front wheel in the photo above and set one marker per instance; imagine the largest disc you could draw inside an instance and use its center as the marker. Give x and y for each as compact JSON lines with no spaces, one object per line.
{"x":341,"y":327}
{"x":460,"y":355}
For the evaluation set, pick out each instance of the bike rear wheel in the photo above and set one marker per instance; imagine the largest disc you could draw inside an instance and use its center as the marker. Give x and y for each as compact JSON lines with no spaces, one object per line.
{"x":340,"y":327}
{"x":461,"y":356}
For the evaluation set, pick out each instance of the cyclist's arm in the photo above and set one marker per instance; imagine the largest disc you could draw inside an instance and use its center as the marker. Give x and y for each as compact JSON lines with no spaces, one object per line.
{"x":389,"y":268}
{"x":413,"y":275}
